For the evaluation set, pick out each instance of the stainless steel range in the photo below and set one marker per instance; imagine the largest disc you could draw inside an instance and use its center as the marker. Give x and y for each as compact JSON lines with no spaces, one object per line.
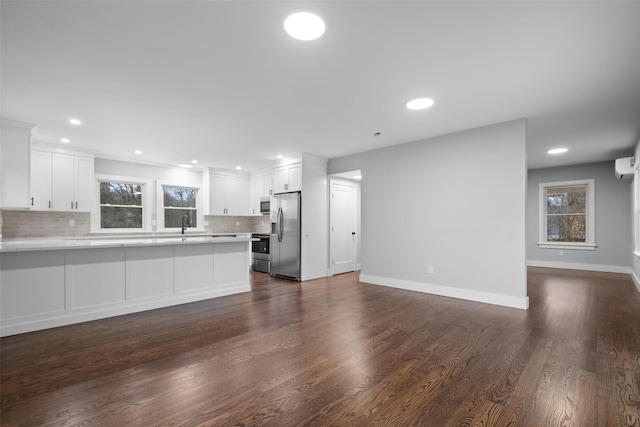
{"x":260,"y":259}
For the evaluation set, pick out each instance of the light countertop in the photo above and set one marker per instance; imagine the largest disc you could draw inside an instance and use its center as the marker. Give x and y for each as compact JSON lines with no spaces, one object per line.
{"x":46,"y":244}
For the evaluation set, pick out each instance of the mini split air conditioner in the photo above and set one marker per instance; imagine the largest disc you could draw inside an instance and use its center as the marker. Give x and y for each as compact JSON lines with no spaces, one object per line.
{"x":624,"y":168}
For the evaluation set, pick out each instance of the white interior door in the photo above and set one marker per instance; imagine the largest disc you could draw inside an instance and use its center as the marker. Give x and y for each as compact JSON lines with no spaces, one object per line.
{"x":343,"y":228}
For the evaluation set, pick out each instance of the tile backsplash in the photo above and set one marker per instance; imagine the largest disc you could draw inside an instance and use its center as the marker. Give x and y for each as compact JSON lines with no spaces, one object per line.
{"x":238,"y":224}
{"x":24,"y":223}
{"x":44,"y":224}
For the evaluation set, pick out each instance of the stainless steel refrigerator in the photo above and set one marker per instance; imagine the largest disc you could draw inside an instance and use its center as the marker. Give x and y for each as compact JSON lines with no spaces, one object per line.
{"x":284,"y":243}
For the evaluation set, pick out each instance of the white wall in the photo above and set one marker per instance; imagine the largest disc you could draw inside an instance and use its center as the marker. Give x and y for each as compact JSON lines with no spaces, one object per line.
{"x":612,"y":213}
{"x":154,"y":174}
{"x":455,"y":202}
{"x":635,"y":220}
{"x":315,"y":220}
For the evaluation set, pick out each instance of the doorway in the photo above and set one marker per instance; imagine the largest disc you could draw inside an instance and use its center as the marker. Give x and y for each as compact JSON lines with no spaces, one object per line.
{"x":344,"y":223}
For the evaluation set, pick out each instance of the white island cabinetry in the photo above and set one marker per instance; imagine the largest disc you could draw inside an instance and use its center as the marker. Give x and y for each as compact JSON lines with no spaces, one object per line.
{"x":42,"y":289}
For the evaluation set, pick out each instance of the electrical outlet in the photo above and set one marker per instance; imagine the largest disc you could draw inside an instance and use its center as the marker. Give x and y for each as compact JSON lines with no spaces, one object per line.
{"x":561,"y":253}
{"x":237,"y":223}
{"x":72,"y":223}
{"x":431,"y":269}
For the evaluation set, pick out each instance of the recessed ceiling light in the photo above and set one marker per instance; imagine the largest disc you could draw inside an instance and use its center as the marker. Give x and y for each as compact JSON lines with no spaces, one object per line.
{"x":195,"y":162}
{"x":419,"y":103}
{"x":185,"y":165}
{"x":557,"y":151}
{"x":304,"y":26}
{"x":138,"y":152}
{"x":75,"y":122}
{"x":238,"y":168}
{"x":65,"y":140}
{"x":280,"y":156}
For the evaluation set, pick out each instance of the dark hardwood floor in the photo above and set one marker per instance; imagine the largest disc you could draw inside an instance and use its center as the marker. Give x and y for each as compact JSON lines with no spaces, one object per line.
{"x":333,"y":352}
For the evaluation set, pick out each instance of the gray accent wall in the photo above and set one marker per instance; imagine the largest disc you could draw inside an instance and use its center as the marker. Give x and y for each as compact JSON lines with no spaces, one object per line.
{"x":613,"y":219}
{"x":455,"y":203}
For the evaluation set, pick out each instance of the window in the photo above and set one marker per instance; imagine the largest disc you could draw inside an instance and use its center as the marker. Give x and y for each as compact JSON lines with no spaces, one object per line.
{"x":121,"y":205}
{"x":179,"y":202}
{"x":567,"y":215}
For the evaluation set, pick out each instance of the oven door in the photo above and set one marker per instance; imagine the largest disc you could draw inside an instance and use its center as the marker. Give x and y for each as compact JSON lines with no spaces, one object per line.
{"x":260,"y":248}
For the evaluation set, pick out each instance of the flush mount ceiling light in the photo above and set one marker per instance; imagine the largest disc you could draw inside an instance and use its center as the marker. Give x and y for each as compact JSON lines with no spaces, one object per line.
{"x":557,"y":151}
{"x":65,"y":140}
{"x":357,"y":177}
{"x":138,"y":152}
{"x":185,"y":165}
{"x":238,"y":168}
{"x":195,"y":162}
{"x":304,"y":26}
{"x":419,"y":103}
{"x":75,"y":122}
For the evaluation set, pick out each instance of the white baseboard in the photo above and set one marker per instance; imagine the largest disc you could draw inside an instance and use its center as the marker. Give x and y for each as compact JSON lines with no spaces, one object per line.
{"x":447,"y":291}
{"x":636,"y":280}
{"x":579,"y":266}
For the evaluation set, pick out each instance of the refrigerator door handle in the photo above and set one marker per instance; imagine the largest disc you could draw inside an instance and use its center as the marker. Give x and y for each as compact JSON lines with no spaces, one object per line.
{"x":280,"y":224}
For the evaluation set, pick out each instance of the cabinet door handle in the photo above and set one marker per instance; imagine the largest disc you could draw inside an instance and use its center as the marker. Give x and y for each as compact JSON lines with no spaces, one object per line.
{"x":76,"y":205}
{"x":49,"y":204}
{"x":32,"y":201}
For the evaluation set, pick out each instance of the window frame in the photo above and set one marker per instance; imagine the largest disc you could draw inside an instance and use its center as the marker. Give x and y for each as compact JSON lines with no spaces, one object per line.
{"x":160,"y":205}
{"x":96,"y":222}
{"x":590,"y":241}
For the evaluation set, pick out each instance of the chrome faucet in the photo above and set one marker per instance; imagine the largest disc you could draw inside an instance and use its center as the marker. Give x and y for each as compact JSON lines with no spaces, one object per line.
{"x":184,"y":226}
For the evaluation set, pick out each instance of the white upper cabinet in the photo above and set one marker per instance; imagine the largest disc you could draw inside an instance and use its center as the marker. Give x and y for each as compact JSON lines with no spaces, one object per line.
{"x":40,"y":185}
{"x":228,"y":195}
{"x":287,"y":178}
{"x":259,"y":186}
{"x":61,"y":182}
{"x":14,"y":164}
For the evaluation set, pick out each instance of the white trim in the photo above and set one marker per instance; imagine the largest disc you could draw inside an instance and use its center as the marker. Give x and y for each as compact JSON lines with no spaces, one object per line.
{"x":160,"y":204}
{"x":580,"y":266}
{"x":590,"y":210}
{"x":568,"y":246}
{"x":147,"y":205}
{"x":447,"y":291}
{"x":635,"y":279}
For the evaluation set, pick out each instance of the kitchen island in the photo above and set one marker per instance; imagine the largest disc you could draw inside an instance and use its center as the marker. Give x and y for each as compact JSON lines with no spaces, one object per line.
{"x":54,"y":282}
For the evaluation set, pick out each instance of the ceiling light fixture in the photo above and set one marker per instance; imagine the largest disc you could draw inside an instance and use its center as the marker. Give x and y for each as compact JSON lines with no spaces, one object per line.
{"x":75,"y":122}
{"x":557,"y":151}
{"x":280,"y":156}
{"x":185,"y":165}
{"x":138,"y":152}
{"x":195,"y":162}
{"x":304,"y":26}
{"x":238,"y":168}
{"x":419,"y":103}
{"x":65,"y":140}
{"x":358,"y":177}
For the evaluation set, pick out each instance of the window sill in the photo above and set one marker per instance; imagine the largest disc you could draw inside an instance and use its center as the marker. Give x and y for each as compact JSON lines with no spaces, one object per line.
{"x":568,"y":246}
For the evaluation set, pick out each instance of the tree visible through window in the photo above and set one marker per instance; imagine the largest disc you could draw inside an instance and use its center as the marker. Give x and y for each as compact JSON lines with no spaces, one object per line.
{"x":178,"y":203}
{"x":120,"y":205}
{"x":566,"y":214}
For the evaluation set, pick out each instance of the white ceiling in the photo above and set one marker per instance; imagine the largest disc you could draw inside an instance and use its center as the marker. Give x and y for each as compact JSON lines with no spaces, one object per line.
{"x":221,"y":82}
